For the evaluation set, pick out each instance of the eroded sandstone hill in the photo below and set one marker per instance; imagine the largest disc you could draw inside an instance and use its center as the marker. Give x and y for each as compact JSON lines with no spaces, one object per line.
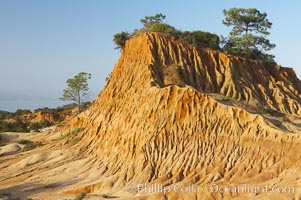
{"x":175,"y":117}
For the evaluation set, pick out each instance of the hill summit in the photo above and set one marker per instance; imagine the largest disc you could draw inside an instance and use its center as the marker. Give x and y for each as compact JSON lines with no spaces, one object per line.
{"x":171,"y":117}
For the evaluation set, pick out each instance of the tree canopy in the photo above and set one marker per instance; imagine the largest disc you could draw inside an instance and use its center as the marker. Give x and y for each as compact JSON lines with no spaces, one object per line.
{"x":120,"y":39}
{"x":156,"y":24}
{"x":248,"y":35}
{"x":149,"y":21}
{"x":77,"y":89}
{"x":201,"y":39}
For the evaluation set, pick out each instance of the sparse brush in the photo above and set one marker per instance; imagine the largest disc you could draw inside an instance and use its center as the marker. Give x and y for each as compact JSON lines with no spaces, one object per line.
{"x":24,"y":142}
{"x":81,"y":196}
{"x":73,"y":132}
{"x":284,"y":119}
{"x":39,"y":144}
{"x":224,"y":98}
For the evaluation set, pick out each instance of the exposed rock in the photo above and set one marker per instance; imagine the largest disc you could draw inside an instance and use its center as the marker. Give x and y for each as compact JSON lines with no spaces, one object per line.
{"x":10,"y":149}
{"x":158,"y":121}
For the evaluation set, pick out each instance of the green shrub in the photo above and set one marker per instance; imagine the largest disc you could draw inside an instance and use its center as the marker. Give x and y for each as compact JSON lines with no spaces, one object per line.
{"x":47,"y":110}
{"x":201,"y":39}
{"x":224,"y":98}
{"x":162,"y":28}
{"x":63,"y":108}
{"x":284,"y":119}
{"x":149,"y":21}
{"x":29,"y":144}
{"x":20,"y":126}
{"x":24,"y":142}
{"x":76,"y":131}
{"x":39,"y":144}
{"x":17,"y":126}
{"x":155,"y":24}
{"x":20,"y":112}
{"x":4,"y":114}
{"x":81,"y":196}
{"x":69,"y":133}
{"x":39,"y":125}
{"x":120,"y":39}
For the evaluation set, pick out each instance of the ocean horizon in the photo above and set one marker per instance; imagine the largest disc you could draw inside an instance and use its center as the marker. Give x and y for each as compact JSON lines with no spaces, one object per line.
{"x":13,"y":105}
{"x":12,"y":101}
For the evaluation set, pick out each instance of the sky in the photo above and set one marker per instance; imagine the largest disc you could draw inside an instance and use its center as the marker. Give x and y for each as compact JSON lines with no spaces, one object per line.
{"x":45,"y":42}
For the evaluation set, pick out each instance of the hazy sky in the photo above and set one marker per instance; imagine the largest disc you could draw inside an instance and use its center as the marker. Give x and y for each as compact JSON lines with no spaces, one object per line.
{"x":45,"y":42}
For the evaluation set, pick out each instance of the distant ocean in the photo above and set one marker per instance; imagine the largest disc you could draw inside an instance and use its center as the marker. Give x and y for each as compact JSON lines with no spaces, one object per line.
{"x":13,"y":102}
{"x":13,"y":105}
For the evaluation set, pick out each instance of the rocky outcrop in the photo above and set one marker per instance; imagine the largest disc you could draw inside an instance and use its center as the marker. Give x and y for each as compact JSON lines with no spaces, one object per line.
{"x":159,"y":120}
{"x":156,"y":115}
{"x":214,"y":72}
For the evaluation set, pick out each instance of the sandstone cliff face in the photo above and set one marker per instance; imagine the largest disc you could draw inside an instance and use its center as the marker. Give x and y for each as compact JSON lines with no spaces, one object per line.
{"x":44,"y":117}
{"x":215,"y":72}
{"x":39,"y":117}
{"x":156,"y":115}
{"x":159,"y":121}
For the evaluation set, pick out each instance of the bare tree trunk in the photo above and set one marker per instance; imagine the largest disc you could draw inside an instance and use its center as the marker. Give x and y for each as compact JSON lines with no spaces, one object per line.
{"x":78,"y":102}
{"x":247,"y":41}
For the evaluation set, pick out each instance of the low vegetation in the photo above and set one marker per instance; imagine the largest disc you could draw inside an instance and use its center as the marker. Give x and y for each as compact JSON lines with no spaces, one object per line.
{"x":24,"y":142}
{"x":17,"y":126}
{"x":30,"y":144}
{"x":39,"y":144}
{"x":81,"y":196}
{"x":155,"y":24}
{"x":16,"y":122}
{"x":246,"y":39}
{"x":225,"y":99}
{"x":37,"y":126}
{"x":73,"y":132}
{"x":2,"y":142}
